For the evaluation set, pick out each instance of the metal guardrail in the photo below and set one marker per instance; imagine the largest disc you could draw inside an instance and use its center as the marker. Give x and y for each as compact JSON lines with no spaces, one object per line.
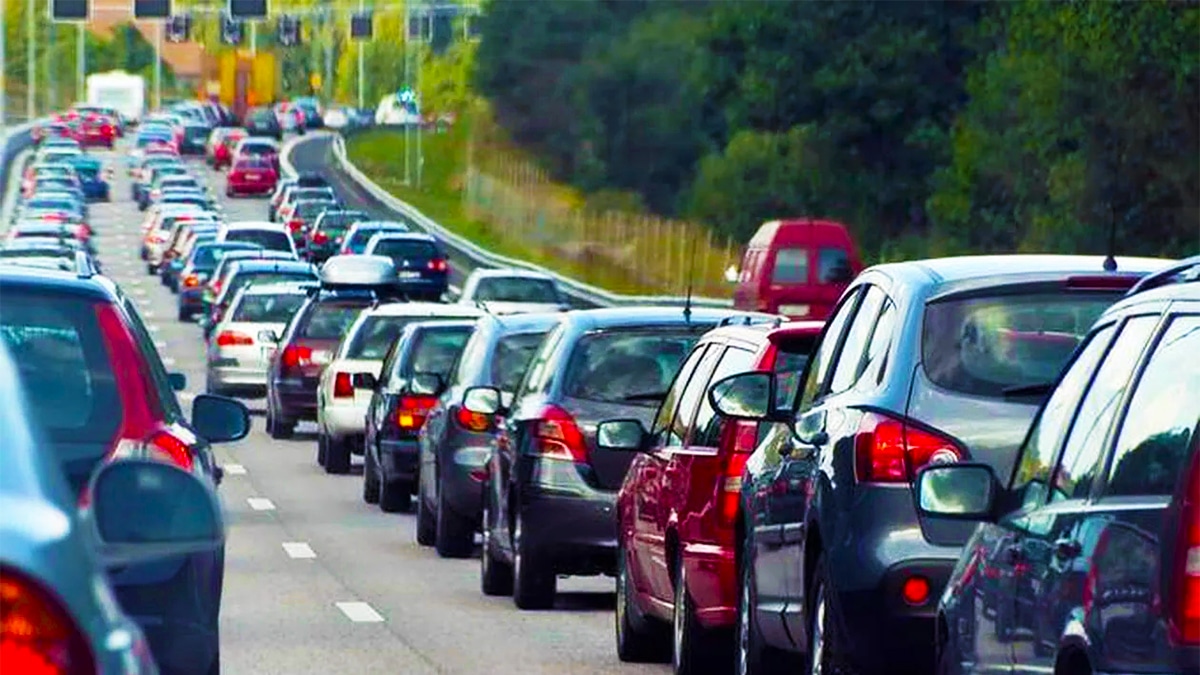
{"x":477,"y":255}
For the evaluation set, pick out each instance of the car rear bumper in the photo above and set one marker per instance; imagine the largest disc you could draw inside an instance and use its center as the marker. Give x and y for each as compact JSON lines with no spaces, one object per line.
{"x":295,"y":399}
{"x":461,"y":480}
{"x":713,"y":582}
{"x":398,"y":459}
{"x":238,"y":376}
{"x":191,"y":298}
{"x":574,"y":534}
{"x":262,"y":187}
{"x":343,"y":420}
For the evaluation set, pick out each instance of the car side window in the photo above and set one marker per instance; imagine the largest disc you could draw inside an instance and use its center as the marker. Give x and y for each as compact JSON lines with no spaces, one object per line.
{"x":539,"y":378}
{"x":670,"y":403}
{"x":818,"y":367}
{"x":706,"y":431}
{"x":1084,"y":450}
{"x":693,"y":392}
{"x":875,"y":359}
{"x":154,"y":364}
{"x":853,"y":357}
{"x":1155,"y":440}
{"x":1031,"y":477}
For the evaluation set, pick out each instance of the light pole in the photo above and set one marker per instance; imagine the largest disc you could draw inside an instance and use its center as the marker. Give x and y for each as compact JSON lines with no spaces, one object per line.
{"x":158,"y":43}
{"x":361,"y":43}
{"x":253,"y":38}
{"x":80,"y":61}
{"x":31,"y":60}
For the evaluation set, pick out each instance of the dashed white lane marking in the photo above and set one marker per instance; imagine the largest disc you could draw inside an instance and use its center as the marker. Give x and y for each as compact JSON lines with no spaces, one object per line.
{"x":153,"y":328}
{"x":298,"y":550}
{"x":168,"y":361}
{"x":134,"y":282}
{"x":234,"y":469}
{"x":140,"y":291}
{"x":186,"y":395}
{"x":161,"y":344}
{"x":260,"y":503}
{"x":359,"y":612}
{"x":148,"y":314}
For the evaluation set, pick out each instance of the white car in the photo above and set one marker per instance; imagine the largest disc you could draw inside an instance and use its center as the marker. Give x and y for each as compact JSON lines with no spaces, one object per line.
{"x":270,"y":236}
{"x":512,"y":291}
{"x":336,"y":118}
{"x":342,"y":407}
{"x":237,"y":357}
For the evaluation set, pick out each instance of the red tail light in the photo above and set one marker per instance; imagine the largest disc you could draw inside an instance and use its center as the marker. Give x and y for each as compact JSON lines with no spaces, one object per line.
{"x":887,"y":450}
{"x":1093,"y":577}
{"x":229,"y":338}
{"x":191,"y":281}
{"x":37,"y":635}
{"x":342,"y":387}
{"x":169,"y":448}
{"x":1183,"y":610}
{"x":412,"y":411}
{"x":296,"y":355}
{"x":438,"y":265}
{"x":295,"y":224}
{"x":472,"y":421}
{"x":320,"y":237}
{"x":744,"y":437}
{"x":558,"y":436}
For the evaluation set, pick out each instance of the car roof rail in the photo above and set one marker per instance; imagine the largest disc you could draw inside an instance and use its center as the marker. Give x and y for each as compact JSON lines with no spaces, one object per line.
{"x":1184,"y":271}
{"x":84,"y":268}
{"x":750,"y":320}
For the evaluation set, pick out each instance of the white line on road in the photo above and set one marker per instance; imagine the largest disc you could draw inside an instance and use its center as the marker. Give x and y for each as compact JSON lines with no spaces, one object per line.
{"x":234,"y":469}
{"x":153,"y":328}
{"x":148,"y":314}
{"x":260,"y":503}
{"x":134,"y":282}
{"x":168,"y":361}
{"x":359,"y":612}
{"x":140,"y":291}
{"x":161,"y":344}
{"x":298,"y":550}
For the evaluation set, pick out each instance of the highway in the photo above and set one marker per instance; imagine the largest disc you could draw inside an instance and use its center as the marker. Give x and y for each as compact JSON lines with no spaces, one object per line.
{"x":318,"y":582}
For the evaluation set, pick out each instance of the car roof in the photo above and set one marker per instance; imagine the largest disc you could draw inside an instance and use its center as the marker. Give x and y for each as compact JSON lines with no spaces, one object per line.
{"x":274,"y":264}
{"x":423,"y":309}
{"x":965,"y":268}
{"x":58,"y":281}
{"x":404,"y":236}
{"x":481,"y":273}
{"x":525,"y":322}
{"x":631,"y":317}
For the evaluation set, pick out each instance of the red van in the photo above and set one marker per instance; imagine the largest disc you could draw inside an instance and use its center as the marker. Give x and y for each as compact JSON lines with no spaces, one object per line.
{"x":797,"y":268}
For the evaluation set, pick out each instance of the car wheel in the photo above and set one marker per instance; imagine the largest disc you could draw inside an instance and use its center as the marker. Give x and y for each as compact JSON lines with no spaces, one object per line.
{"x":370,"y":492}
{"x":337,"y":456}
{"x":693,"y":648}
{"x":948,"y":660}
{"x":640,"y":639}
{"x":533,"y":581}
{"x":826,"y":644}
{"x":454,"y":537}
{"x":752,"y":654}
{"x":279,"y":428}
{"x":426,"y":524}
{"x":495,"y":575}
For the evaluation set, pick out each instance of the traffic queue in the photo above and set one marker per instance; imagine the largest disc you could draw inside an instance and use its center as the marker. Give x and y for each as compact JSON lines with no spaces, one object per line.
{"x":948,"y":475}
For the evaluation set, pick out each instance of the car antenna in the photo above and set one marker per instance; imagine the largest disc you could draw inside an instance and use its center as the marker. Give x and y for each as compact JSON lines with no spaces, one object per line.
{"x":691,"y":276}
{"x":1110,"y":262}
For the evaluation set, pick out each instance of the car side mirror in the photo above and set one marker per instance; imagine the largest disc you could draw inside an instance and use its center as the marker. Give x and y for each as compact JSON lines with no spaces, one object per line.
{"x":745,"y":396}
{"x":958,"y":491}
{"x":219,"y":419}
{"x":426,"y":384}
{"x":482,"y":400}
{"x":178,"y":381}
{"x":144,"y":510}
{"x":810,"y":428}
{"x":364,"y":381}
{"x":268,"y":336}
{"x":628,"y":435}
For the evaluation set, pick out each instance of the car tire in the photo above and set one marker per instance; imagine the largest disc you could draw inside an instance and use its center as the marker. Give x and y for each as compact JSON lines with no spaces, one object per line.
{"x":426,"y":523}
{"x":826,"y":641}
{"x":495,"y":575}
{"x":337,"y":456}
{"x":640,"y":639}
{"x":394,"y":496}
{"x":693,"y":648}
{"x":279,"y":429}
{"x":454,"y":536}
{"x":321,"y":450}
{"x":533,"y":580}
{"x":370,"y":491}
{"x":751,"y":653}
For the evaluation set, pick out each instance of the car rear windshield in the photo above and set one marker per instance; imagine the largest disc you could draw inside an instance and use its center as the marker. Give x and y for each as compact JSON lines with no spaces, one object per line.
{"x":252,"y":164}
{"x":400,"y":250}
{"x":207,"y":257}
{"x":790,"y":359}
{"x":311,"y":208}
{"x":69,"y":383}
{"x":376,"y":335}
{"x":257,"y":149}
{"x":983,"y":346}
{"x":268,"y":308}
{"x":516,"y":289}
{"x":613,"y":366}
{"x":242,"y":279}
{"x":331,"y":320}
{"x":338,"y":223}
{"x":791,"y":266}
{"x":272,"y":240}
{"x":437,"y":349}
{"x":512,"y":358}
{"x":262,"y":117}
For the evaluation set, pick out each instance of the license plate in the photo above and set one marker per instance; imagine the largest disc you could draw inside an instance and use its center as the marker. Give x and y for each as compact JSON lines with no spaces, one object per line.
{"x":409,"y":275}
{"x":794,"y":310}
{"x":252,"y":176}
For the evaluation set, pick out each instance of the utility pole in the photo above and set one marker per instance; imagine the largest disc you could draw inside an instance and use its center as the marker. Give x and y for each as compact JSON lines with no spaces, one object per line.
{"x":31,"y":61}
{"x":158,"y":44}
{"x":253,"y":38}
{"x":80,"y":61}
{"x":361,"y":7}
{"x":52,"y":66}
{"x":407,"y":80}
{"x":330,"y":27}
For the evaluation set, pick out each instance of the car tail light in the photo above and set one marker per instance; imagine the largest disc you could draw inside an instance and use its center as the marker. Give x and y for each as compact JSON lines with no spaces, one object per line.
{"x":744,"y":436}
{"x":438,"y":265}
{"x":472,"y":421}
{"x":1102,"y":282}
{"x":1183,"y":611}
{"x":888,"y":450}
{"x":320,"y":237}
{"x":412,"y":411}
{"x":296,"y":355}
{"x":191,"y":281}
{"x":295,"y":224}
{"x":229,"y":338}
{"x":1093,"y":578}
{"x":37,"y":635}
{"x":342,"y":386}
{"x":161,"y":445}
{"x":915,"y":591}
{"x":557,"y":436}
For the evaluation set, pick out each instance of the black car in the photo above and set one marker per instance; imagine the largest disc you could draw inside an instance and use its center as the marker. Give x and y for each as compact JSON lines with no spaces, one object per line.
{"x":263,"y":122}
{"x":413,"y":374}
{"x":550,"y":490}
{"x":195,"y":138}
{"x":325,"y":237}
{"x":921,"y":363}
{"x":1098,"y":524}
{"x":422,"y":269}
{"x":454,"y":442}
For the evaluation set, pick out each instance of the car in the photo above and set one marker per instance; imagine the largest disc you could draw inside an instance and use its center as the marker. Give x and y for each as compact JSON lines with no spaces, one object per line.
{"x":348,"y":285}
{"x":221,"y":140}
{"x":51,"y":229}
{"x":56,"y":186}
{"x":270,"y":236}
{"x":184,"y":230}
{"x":678,"y":533}
{"x":509,"y":291}
{"x":342,"y":407}
{"x":97,"y":129}
{"x":295,"y":192}
{"x":238,"y":356}
{"x":195,"y":137}
{"x":96,"y":385}
{"x":263,"y":122}
{"x":159,"y":218}
{"x":1097,"y":524}
{"x":151,"y":168}
{"x":53,"y":202}
{"x":212,"y":288}
{"x":190,"y":197}
{"x":94,"y":178}
{"x":550,"y":490}
{"x":290,"y":117}
{"x":307,"y":179}
{"x":166,"y":231}
{"x":327,"y":233}
{"x":356,"y":240}
{"x":422,"y":268}
{"x":302,"y":214}
{"x":257,"y":146}
{"x":240,"y":273}
{"x":454,"y":443}
{"x":250,"y":176}
{"x":921,"y":362}
{"x":197,"y":266}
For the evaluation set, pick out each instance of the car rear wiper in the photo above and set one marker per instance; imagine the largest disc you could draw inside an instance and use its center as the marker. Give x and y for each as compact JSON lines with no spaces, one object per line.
{"x":647,"y":396}
{"x":1023,"y":390}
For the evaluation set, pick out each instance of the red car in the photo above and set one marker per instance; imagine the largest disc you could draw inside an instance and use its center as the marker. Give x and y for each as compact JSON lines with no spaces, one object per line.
{"x":220,"y":146}
{"x":251,"y":175}
{"x":97,"y":129}
{"x":678,"y":526}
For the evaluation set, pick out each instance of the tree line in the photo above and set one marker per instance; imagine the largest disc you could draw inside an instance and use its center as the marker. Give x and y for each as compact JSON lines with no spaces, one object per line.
{"x":929,"y":127}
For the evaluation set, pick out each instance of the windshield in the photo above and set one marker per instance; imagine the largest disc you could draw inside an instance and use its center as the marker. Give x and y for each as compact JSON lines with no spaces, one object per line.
{"x":311,"y":209}
{"x":405,"y":251}
{"x":376,"y":335}
{"x":262,"y":308}
{"x":612,"y":366}
{"x":242,"y":279}
{"x":338,"y":223}
{"x":512,"y":357}
{"x":272,"y":240}
{"x":207,"y":256}
{"x":437,"y":349}
{"x":331,"y":320}
{"x":516,"y":289}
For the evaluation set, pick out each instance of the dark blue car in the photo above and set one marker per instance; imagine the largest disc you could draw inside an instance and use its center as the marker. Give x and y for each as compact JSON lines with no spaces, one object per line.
{"x":93,"y":177}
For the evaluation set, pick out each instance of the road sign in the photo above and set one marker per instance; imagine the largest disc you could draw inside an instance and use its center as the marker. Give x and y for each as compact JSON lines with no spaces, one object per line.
{"x":70,"y":10}
{"x":151,"y":9}
{"x":247,"y":9}
{"x":231,"y":30}
{"x":314,"y":80}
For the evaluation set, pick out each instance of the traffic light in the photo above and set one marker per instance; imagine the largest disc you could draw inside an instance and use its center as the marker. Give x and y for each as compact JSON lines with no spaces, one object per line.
{"x":69,"y":10}
{"x":179,"y":28}
{"x":247,"y":9}
{"x":231,"y":30}
{"x":360,"y":26}
{"x":151,"y":9}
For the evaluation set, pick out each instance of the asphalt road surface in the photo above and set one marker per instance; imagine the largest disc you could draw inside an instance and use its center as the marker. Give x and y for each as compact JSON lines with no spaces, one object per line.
{"x":318,"y":582}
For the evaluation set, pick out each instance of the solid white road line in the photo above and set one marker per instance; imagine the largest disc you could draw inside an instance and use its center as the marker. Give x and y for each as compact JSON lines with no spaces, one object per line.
{"x":260,"y":503}
{"x":359,"y":612}
{"x":234,"y":469}
{"x":298,"y":550}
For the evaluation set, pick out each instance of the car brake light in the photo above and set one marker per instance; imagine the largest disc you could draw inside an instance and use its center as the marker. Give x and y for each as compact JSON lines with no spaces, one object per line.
{"x":915,"y":590}
{"x":412,"y":411}
{"x":887,"y":450}
{"x":744,"y":436}
{"x":342,"y":387}
{"x":320,"y":237}
{"x":472,"y":421}
{"x":296,"y":355}
{"x":295,"y":224}
{"x":191,"y":281}
{"x":229,"y":338}
{"x":1102,"y":282}
{"x":1183,"y":613}
{"x":438,"y":265}
{"x":558,"y":436}
{"x":170,"y":448}
{"x":37,"y":635}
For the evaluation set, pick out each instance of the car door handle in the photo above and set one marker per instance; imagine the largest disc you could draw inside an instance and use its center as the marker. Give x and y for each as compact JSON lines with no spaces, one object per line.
{"x":1067,"y":549}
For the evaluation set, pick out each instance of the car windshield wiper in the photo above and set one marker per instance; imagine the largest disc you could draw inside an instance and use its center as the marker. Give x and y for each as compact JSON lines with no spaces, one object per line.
{"x":647,"y":396}
{"x":1036,"y":389}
